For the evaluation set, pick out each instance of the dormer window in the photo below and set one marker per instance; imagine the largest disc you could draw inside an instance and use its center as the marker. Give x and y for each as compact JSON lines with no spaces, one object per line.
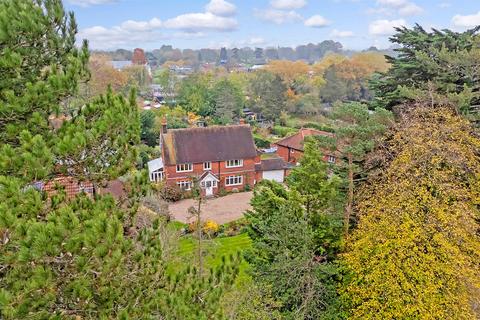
{"x":184,"y":167}
{"x":207,"y":166}
{"x":234,"y":163}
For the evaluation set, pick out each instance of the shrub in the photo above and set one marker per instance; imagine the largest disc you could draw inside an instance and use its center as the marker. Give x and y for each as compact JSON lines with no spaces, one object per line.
{"x":282,"y":131}
{"x":210,"y":228}
{"x":170,"y":193}
{"x":261,"y":143}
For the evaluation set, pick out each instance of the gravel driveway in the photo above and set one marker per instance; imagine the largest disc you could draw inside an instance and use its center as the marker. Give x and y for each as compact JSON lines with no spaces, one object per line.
{"x":221,"y":210}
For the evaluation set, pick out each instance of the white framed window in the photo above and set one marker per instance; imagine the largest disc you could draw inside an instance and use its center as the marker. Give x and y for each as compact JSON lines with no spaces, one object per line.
{"x":234,"y":180}
{"x":208,"y":184}
{"x":156,"y":176}
{"x":184,"y":185}
{"x":184,"y":167}
{"x":207,"y":165}
{"x":235,"y":163}
{"x":331,"y":159}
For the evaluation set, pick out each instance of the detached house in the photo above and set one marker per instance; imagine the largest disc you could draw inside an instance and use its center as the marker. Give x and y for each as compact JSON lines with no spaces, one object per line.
{"x":291,"y":147}
{"x":222,"y":157}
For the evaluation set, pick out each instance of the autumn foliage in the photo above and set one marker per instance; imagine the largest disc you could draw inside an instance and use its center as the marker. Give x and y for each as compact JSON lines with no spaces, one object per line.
{"x":415,"y":252}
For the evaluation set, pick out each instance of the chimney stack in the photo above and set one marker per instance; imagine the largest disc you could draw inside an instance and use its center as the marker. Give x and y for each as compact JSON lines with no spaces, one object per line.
{"x":164,"y":125}
{"x":242,"y":121}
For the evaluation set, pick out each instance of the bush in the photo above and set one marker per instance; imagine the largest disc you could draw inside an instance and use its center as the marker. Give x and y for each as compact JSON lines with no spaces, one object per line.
{"x":318,"y":126}
{"x":157,"y":204}
{"x":170,"y":193}
{"x":282,"y":131}
{"x":210,"y":228}
{"x":261,"y":143}
{"x":233,"y":228}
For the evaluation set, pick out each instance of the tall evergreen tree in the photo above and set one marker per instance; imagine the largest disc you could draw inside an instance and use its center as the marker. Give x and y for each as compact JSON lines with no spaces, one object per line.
{"x":429,"y":63}
{"x":76,"y":258}
{"x":296,"y":234}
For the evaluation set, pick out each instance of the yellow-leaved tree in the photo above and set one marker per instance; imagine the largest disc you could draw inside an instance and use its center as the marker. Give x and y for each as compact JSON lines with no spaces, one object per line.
{"x":416,"y":251}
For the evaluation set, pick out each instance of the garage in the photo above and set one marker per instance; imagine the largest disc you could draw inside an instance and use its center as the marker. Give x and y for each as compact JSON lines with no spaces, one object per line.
{"x":272,"y":168}
{"x":274,"y":175}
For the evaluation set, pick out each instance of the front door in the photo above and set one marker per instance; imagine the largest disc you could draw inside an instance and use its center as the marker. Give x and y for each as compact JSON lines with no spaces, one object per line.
{"x":208,"y":188}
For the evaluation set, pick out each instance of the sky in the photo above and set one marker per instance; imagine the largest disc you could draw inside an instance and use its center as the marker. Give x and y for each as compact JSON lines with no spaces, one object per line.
{"x":357,"y":24}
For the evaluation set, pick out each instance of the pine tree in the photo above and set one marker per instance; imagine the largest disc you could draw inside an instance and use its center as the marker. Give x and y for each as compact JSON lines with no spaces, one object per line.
{"x":296,"y":234}
{"x":355,"y":135}
{"x":77,"y":258}
{"x":430,"y":63}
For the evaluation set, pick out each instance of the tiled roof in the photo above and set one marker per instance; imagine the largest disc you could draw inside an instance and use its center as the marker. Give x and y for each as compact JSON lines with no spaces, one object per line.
{"x":71,"y":186}
{"x":296,"y":141}
{"x":276,"y":163}
{"x":195,"y":145}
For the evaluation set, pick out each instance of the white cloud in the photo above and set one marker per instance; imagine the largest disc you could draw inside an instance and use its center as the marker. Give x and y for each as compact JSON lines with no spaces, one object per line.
{"x":131,"y":25}
{"x":467,"y":21}
{"x":195,"y":22}
{"x":125,"y":35}
{"x":410,"y":9}
{"x":87,"y":3}
{"x":402,"y":7}
{"x":288,"y":4}
{"x":278,"y":16}
{"x":221,"y":8}
{"x":316,"y":21}
{"x":445,"y":5}
{"x":392,"y":3}
{"x":385,"y":27}
{"x":341,"y":34}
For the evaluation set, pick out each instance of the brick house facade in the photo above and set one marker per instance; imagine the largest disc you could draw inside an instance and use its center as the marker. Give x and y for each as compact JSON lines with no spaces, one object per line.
{"x":291,"y":150}
{"x":221,"y":158}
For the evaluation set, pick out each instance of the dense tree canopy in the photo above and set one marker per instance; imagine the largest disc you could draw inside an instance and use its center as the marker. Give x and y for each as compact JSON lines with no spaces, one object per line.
{"x":82,"y":257}
{"x":295,"y":235}
{"x":443,"y":62}
{"x":416,"y":250}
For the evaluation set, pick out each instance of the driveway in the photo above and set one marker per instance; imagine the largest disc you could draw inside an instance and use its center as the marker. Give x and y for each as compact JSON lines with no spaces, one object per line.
{"x":221,"y":210}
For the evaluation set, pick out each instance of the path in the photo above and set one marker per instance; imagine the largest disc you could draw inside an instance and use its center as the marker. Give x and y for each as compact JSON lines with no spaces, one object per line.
{"x":221,"y":210}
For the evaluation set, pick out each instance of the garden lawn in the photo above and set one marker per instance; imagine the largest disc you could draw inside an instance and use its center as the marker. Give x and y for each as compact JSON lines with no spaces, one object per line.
{"x":214,"y":250}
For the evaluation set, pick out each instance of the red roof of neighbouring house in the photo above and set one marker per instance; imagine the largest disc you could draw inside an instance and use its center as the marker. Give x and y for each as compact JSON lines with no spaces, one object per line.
{"x":71,"y":186}
{"x":296,"y":141}
{"x":220,"y":143}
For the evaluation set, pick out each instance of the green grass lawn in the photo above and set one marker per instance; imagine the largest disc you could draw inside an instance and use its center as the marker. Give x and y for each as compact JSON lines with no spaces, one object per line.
{"x":214,"y":249}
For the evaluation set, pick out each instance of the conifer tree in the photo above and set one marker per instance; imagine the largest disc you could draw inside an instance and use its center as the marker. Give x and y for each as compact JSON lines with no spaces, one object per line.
{"x":439,"y":62}
{"x":356,"y":131}
{"x":78,"y":258}
{"x":296,"y":234}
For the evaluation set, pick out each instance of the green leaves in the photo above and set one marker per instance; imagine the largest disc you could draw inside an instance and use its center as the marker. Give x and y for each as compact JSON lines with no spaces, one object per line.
{"x":434,"y":65}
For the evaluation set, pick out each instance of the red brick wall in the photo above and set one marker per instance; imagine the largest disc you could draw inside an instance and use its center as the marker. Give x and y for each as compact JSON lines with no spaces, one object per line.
{"x":295,"y":155}
{"x":220,"y":170}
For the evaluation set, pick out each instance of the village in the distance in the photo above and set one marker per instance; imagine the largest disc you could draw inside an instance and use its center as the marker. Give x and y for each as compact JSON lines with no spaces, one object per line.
{"x":221,"y":178}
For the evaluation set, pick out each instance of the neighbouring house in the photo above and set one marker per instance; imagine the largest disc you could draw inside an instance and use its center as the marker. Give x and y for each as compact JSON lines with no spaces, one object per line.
{"x":220,"y":157}
{"x":291,"y":147}
{"x":70,"y":185}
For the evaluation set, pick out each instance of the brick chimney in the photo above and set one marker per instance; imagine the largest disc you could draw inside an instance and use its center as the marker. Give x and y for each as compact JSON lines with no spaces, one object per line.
{"x":164,"y":125}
